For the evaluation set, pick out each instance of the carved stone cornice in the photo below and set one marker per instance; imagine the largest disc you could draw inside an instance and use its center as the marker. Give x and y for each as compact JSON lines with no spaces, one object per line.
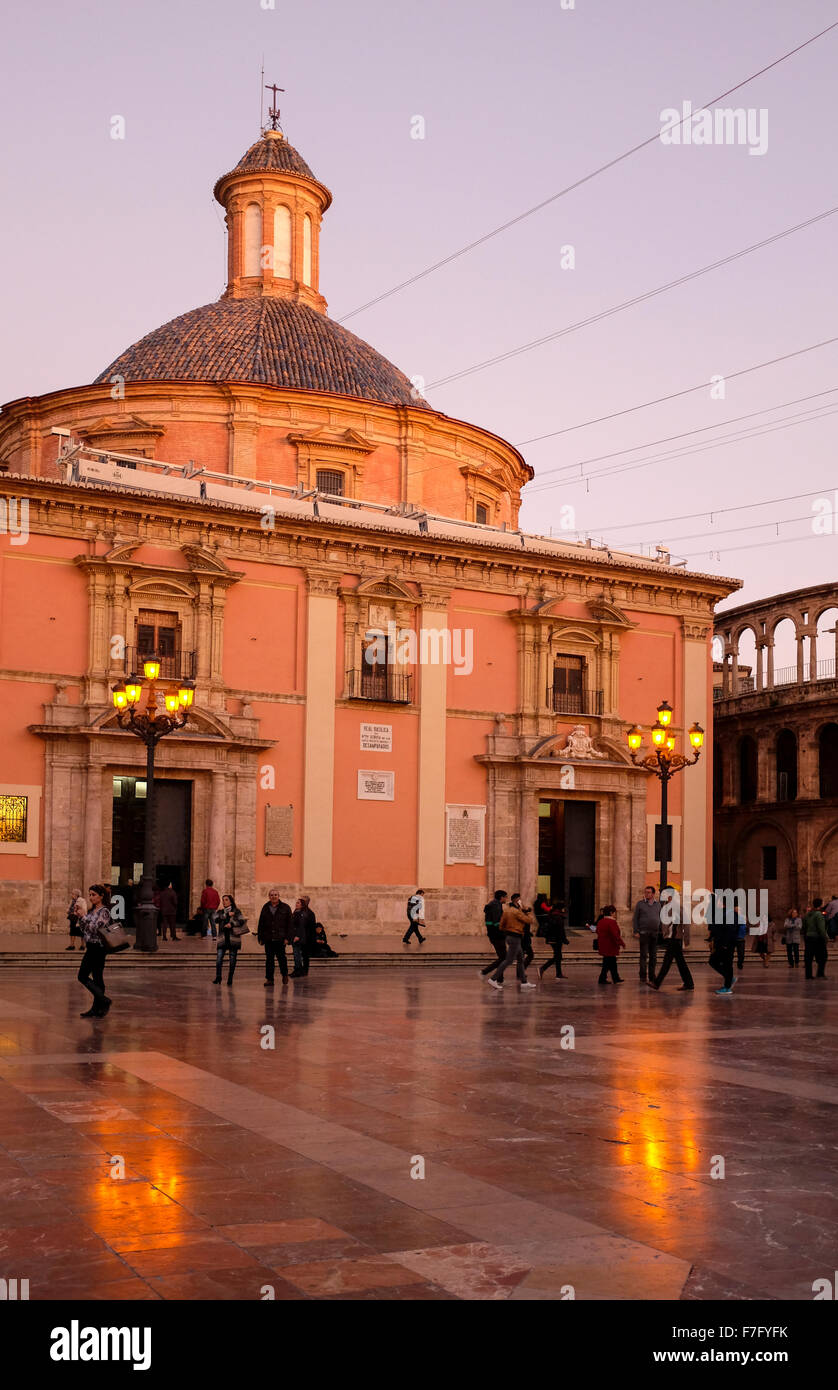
{"x":435,"y":596}
{"x":324,"y":582}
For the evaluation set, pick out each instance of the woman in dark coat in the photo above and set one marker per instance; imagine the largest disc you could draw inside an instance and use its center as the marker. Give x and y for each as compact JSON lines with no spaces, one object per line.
{"x":303,"y":928}
{"x":231,"y":928}
{"x":556,"y":937}
{"x":76,"y":901}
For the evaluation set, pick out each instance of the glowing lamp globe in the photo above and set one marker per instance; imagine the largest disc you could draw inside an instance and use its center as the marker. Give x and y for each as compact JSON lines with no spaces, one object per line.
{"x":696,"y":734}
{"x":133,"y":690}
{"x":120,"y":697}
{"x":172,"y":701}
{"x":634,"y":738}
{"x":664,"y":714}
{"x":151,"y":668}
{"x":658,"y":735}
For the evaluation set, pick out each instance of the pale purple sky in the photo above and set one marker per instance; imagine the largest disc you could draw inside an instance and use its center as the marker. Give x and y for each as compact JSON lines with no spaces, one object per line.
{"x":103,"y":240}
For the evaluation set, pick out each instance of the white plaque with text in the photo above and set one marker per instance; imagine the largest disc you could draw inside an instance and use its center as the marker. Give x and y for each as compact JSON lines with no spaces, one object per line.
{"x":376,"y":738}
{"x":465,"y":831}
{"x":376,"y":786}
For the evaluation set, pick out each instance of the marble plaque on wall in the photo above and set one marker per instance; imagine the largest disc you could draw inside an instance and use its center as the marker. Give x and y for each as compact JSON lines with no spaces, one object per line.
{"x":465,"y":834}
{"x":376,"y":786}
{"x":279,"y":829}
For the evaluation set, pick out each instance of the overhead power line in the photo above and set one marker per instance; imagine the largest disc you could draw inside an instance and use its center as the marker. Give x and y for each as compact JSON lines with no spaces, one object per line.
{"x":546,"y":202}
{"x":630,"y":303}
{"x":673,"y":395}
{"x":685,"y":434}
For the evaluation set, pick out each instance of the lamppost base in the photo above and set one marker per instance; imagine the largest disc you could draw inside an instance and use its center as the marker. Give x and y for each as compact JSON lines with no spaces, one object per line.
{"x":145,"y":917}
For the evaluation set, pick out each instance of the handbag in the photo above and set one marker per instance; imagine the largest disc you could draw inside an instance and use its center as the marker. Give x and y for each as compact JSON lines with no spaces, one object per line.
{"x":240,"y":928}
{"x":114,"y":938}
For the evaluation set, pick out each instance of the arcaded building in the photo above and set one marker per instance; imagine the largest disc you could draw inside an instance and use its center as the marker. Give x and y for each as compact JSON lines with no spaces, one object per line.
{"x":776,"y":747}
{"x":387,"y":671}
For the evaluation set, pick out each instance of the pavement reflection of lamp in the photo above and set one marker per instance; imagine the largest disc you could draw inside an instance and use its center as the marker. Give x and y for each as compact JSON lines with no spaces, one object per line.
{"x":151,"y":724}
{"x":664,"y":762}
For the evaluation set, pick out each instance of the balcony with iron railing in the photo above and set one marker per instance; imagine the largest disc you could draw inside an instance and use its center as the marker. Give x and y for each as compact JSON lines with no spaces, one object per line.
{"x":783,"y":676}
{"x":380,"y":684}
{"x":177,"y":665}
{"x":584,"y":701}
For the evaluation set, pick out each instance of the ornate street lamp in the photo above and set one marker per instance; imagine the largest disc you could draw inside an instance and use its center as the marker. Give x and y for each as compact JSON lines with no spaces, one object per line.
{"x":150,"y":725}
{"x":664,"y":762}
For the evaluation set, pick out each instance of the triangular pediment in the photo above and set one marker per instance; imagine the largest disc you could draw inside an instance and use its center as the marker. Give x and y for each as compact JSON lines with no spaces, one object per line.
{"x":206,"y":561}
{"x":384,"y":586}
{"x":336,"y":441}
{"x":602,"y":610}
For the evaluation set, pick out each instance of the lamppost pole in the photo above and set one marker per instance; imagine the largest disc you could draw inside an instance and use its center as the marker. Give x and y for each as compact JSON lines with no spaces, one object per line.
{"x":151,"y":725}
{"x":664,"y":762}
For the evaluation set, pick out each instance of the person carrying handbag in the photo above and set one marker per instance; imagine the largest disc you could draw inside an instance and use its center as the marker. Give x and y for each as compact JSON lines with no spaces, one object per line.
{"x":92,"y":968}
{"x":232,"y":926}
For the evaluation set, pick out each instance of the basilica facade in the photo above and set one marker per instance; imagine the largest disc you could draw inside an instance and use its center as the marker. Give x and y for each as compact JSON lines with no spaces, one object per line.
{"x":393,"y":685}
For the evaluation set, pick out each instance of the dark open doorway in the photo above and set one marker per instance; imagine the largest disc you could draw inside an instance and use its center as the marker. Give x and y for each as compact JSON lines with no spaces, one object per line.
{"x":567,"y":856}
{"x":172,"y":835}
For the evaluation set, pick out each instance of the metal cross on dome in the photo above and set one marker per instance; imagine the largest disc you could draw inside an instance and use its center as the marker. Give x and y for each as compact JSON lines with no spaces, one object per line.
{"x":273,"y":111}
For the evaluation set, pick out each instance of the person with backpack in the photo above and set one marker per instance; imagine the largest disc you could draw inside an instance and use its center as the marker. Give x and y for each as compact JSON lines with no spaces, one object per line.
{"x":556,"y":937}
{"x":415,"y":916}
{"x":814,"y":940}
{"x":492,"y":915}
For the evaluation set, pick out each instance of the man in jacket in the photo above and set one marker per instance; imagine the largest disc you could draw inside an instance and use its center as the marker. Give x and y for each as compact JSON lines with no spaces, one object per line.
{"x":272,"y":933}
{"x":492,"y":914}
{"x":415,"y":916}
{"x":814,"y":940}
{"x":646,"y":925}
{"x":676,"y":933}
{"x":723,"y":930}
{"x":210,"y":903}
{"x":512,"y":925}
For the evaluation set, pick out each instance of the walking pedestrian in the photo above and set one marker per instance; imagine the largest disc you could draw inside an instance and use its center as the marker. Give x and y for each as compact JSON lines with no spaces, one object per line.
{"x":168,"y":912}
{"x":526,"y":939}
{"x":272,"y":933}
{"x":610,"y":943}
{"x":92,"y":968}
{"x":231,"y":927}
{"x":492,"y":914}
{"x":556,"y":937}
{"x":676,"y":933}
{"x":512,"y":925}
{"x":646,"y":926}
{"x":723,"y":930}
{"x":814,"y":940}
{"x":210,"y":903}
{"x":77,"y":909}
{"x":415,"y":916}
{"x":791,"y":936}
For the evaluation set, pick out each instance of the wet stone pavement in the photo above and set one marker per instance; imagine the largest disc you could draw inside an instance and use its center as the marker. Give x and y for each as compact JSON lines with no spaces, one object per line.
{"x":684,"y":1146}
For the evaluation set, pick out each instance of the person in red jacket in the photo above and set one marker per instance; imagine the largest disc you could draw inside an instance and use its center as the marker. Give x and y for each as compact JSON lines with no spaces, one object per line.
{"x":210,"y":903}
{"x":610,"y":943}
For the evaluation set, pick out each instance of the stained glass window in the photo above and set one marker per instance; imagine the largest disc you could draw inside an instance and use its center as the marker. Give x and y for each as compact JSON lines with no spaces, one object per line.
{"x":13,"y":812}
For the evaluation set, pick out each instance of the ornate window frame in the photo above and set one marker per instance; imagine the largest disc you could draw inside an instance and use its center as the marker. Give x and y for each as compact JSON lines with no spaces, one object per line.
{"x":33,"y":794}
